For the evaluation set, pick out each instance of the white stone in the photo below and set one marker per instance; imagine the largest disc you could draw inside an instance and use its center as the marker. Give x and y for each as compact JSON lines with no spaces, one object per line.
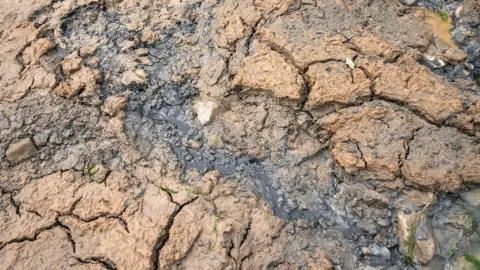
{"x":206,"y":111}
{"x":350,"y":63}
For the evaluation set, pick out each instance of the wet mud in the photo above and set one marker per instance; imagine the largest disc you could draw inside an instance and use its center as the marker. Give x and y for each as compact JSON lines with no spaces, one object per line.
{"x":238,"y":135}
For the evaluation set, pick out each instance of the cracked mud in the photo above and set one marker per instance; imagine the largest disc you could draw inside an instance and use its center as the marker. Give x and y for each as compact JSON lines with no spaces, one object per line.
{"x":272,"y":134}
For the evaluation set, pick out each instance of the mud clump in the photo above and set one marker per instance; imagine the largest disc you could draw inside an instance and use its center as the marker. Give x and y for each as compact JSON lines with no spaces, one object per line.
{"x":257,"y":74}
{"x":236,"y":135}
{"x":352,"y":85}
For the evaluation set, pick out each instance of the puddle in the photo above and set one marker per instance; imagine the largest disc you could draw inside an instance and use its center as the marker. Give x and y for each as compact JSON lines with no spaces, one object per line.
{"x":440,"y":27}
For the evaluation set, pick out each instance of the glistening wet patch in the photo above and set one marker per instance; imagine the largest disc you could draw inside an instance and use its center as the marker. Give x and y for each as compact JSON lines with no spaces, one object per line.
{"x":456,"y":24}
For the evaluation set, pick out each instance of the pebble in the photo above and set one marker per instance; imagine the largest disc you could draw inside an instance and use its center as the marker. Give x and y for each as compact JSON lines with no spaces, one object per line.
{"x":41,"y":139}
{"x":142,"y":52}
{"x":21,"y":150}
{"x":55,"y":139}
{"x":432,"y":62}
{"x":366,"y":251}
{"x":193,"y":144}
{"x":383,"y":222}
{"x":409,"y":2}
{"x":380,"y":251}
{"x":206,"y":111}
{"x":350,"y":63}
{"x":98,"y":173}
{"x":455,"y":55}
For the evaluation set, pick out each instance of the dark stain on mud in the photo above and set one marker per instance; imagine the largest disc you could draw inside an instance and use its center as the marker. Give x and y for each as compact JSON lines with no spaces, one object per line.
{"x":160,"y":113}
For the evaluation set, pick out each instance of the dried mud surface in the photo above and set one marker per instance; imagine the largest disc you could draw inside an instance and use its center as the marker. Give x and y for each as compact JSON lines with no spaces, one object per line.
{"x":255,"y":134}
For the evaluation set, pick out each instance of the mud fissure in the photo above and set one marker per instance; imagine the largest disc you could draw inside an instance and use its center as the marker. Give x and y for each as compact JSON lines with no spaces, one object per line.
{"x":106,"y":263}
{"x":168,"y":60}
{"x":165,"y":235}
{"x":32,"y":238}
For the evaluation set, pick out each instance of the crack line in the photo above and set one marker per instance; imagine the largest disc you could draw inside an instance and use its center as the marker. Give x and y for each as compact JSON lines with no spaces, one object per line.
{"x":165,"y":235}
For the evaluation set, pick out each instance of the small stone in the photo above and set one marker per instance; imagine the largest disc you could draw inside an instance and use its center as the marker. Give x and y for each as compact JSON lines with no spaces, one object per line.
{"x":193,"y":144}
{"x":206,"y":111}
{"x":380,"y":251}
{"x":467,"y":32}
{"x":289,"y":228}
{"x":213,"y":68}
{"x":98,"y":173}
{"x":366,"y":251}
{"x":454,"y":55}
{"x":384,"y":222}
{"x":68,"y":176}
{"x":409,"y":2}
{"x":130,"y":77}
{"x":432,"y":62}
{"x":67,"y":133}
{"x":21,"y":150}
{"x":114,"y":104}
{"x":177,"y":79}
{"x":55,"y":139}
{"x":84,"y":80}
{"x":215,"y":141}
{"x":141,"y":73}
{"x":425,"y":245}
{"x":142,"y":52}
{"x":41,"y":139}
{"x":350,"y":63}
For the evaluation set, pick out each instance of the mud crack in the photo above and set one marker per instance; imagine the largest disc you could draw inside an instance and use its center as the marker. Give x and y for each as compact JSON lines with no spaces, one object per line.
{"x":35,"y":235}
{"x":406,"y":146}
{"x":359,"y":149}
{"x":102,"y":215}
{"x":247,"y":231}
{"x":15,"y":205}
{"x":106,"y":263}
{"x":165,"y":233}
